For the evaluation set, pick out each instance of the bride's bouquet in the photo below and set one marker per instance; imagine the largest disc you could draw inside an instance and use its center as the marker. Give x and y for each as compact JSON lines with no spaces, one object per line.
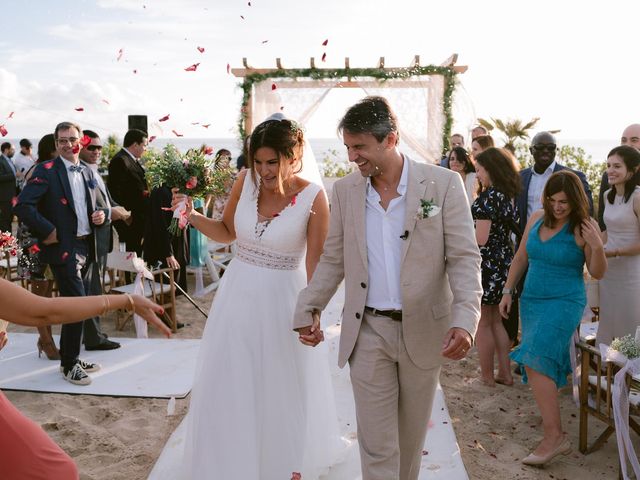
{"x":192,"y":173}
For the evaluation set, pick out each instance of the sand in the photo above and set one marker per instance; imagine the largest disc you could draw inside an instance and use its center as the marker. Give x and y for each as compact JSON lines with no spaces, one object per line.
{"x":121,"y":438}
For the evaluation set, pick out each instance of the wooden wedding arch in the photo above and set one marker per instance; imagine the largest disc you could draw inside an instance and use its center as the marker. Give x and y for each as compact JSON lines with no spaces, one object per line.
{"x":314,"y":77}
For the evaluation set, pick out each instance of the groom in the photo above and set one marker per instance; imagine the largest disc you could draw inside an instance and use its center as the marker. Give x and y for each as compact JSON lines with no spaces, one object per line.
{"x":402,"y":237}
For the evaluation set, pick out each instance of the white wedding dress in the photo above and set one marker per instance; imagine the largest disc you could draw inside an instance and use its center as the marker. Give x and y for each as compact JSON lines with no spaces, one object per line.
{"x":262,"y":405}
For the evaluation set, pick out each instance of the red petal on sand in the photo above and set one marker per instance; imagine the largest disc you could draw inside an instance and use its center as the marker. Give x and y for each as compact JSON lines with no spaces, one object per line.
{"x":177,"y":134}
{"x":165,"y":118}
{"x":79,"y":109}
{"x":324,"y":44}
{"x":3,"y":131}
{"x":324,"y":56}
{"x":152,"y":138}
{"x":201,"y":49}
{"x":207,"y":125}
{"x":273,"y":86}
{"x":192,"y":68}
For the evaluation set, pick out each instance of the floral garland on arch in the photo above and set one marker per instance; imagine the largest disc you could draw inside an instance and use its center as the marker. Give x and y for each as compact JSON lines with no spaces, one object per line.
{"x":193,"y":173}
{"x":448,"y":73}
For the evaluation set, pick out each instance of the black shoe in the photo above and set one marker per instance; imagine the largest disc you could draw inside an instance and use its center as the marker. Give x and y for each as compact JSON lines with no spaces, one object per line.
{"x":104,"y":345}
{"x":76,"y":375}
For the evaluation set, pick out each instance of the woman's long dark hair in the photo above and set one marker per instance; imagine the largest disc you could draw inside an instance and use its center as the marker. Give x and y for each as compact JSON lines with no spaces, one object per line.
{"x":501,"y":167}
{"x":463,"y":157}
{"x":568,"y":182}
{"x":631,"y":158}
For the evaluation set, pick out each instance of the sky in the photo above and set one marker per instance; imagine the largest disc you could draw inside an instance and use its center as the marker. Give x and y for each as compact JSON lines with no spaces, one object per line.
{"x":573,"y":65}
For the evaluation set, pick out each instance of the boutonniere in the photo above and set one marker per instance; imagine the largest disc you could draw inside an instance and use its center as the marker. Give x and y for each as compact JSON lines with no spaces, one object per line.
{"x":427,"y":209}
{"x":93,"y":183}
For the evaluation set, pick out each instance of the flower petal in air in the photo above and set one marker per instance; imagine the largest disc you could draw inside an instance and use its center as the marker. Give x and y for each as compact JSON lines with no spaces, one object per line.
{"x":120,"y":53}
{"x":48,"y":164}
{"x":104,"y":100}
{"x":64,"y":256}
{"x":207,"y":150}
{"x":64,"y":201}
{"x":207,"y":125}
{"x":33,"y":249}
{"x":273,"y":86}
{"x":192,"y":68}
{"x":79,"y":109}
{"x":11,"y":115}
{"x":177,"y":134}
{"x":152,"y":138}
{"x":3,"y":131}
{"x":324,"y":44}
{"x":165,"y":118}
{"x":228,"y":68}
{"x":324,"y":57}
{"x":201,"y":49}
{"x":14,"y":200}
{"x":85,"y":140}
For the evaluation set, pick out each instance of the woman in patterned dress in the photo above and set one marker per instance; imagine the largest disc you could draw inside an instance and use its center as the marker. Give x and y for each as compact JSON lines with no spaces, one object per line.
{"x":495,"y":213}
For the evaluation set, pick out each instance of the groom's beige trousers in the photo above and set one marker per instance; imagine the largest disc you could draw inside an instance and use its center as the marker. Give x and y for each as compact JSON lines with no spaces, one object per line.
{"x":393,"y":401}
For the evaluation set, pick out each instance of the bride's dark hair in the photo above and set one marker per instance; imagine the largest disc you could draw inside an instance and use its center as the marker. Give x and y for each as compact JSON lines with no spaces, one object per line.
{"x":283,"y":136}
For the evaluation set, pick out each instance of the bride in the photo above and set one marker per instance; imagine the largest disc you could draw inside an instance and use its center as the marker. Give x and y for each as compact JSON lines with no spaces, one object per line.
{"x":262,"y":405}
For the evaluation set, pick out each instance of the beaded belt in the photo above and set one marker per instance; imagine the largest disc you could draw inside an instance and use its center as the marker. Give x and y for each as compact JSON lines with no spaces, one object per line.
{"x":267,"y":259}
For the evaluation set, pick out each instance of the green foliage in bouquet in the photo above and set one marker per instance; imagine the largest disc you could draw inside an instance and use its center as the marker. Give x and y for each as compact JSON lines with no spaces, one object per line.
{"x":192,"y":173}
{"x":627,"y":346}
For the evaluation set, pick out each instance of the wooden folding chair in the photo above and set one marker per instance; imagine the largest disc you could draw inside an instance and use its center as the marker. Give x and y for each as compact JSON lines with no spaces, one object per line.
{"x":161,"y":290}
{"x":596,"y":383}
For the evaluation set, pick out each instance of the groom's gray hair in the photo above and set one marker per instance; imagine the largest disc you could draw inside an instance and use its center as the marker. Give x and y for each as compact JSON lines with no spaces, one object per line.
{"x":370,"y":115}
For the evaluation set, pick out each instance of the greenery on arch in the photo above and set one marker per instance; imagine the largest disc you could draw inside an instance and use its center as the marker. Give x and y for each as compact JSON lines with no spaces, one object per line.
{"x":448,"y":73}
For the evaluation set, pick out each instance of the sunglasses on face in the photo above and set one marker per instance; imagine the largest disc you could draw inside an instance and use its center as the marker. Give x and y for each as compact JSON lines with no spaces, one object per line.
{"x":93,"y":148}
{"x":541,"y":148}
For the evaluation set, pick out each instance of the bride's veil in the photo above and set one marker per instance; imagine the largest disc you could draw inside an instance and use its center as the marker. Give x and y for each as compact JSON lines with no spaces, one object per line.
{"x":310,"y":170}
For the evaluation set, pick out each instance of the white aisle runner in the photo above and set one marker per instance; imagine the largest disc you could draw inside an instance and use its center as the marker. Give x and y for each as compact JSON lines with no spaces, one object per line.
{"x":441,"y":460}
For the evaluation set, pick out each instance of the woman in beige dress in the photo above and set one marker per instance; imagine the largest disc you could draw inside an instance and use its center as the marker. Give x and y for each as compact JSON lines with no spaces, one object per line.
{"x":620,"y":287}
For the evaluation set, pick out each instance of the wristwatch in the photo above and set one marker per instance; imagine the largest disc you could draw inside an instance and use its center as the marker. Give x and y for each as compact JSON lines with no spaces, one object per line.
{"x":507,"y":291}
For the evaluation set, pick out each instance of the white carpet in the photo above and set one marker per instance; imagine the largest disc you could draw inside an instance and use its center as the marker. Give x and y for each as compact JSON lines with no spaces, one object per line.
{"x":442,"y":456}
{"x":161,"y":368}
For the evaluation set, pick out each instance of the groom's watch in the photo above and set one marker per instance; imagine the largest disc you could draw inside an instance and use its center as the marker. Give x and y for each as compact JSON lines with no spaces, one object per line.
{"x":507,"y":291}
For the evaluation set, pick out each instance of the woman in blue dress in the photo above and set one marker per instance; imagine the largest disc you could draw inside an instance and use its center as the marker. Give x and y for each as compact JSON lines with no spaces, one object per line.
{"x":558,"y":240}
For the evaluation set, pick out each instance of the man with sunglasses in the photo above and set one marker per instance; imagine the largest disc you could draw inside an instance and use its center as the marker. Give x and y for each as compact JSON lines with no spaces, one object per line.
{"x":543,"y":148}
{"x":92,"y":336}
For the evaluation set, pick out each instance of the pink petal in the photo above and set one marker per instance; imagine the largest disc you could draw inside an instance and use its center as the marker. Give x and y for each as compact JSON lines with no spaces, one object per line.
{"x":85,"y":140}
{"x":242,"y":17}
{"x":324,"y":56}
{"x":165,"y":118}
{"x":195,"y":123}
{"x":228,"y":68}
{"x":201,"y":49}
{"x":48,"y":165}
{"x":208,"y":150}
{"x":104,"y":100}
{"x":64,"y":201}
{"x":11,"y":115}
{"x":3,"y":131}
{"x":152,"y":138}
{"x":64,"y":256}
{"x":79,"y":109}
{"x":177,"y":134}
{"x":273,"y":86}
{"x":120,"y":52}
{"x":324,"y":44}
{"x":192,"y":68}
{"x":135,"y":71}
{"x":14,"y":200}
{"x":264,"y":41}
{"x":207,"y":125}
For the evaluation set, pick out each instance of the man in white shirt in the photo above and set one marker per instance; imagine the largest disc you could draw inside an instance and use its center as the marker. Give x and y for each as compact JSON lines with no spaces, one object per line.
{"x":23,"y":160}
{"x":401,"y":236}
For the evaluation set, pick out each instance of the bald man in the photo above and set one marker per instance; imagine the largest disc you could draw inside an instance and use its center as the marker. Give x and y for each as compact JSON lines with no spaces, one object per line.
{"x":631,"y":137}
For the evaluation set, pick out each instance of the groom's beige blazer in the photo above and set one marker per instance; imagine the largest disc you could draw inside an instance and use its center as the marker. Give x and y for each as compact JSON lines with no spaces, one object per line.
{"x":440,"y":264}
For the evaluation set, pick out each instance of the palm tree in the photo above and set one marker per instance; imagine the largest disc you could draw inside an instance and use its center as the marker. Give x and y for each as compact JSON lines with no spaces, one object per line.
{"x":512,"y":129}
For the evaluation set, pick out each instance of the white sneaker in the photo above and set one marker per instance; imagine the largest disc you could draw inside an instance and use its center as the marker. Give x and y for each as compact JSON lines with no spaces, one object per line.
{"x":86,"y":366}
{"x":77,"y":376}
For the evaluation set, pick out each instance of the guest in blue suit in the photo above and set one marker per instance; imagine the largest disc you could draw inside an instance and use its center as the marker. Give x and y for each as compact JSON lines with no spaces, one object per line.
{"x":543,"y":148}
{"x":58,"y":205}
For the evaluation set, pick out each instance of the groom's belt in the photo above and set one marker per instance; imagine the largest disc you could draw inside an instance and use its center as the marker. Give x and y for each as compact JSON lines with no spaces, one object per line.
{"x":392,"y":314}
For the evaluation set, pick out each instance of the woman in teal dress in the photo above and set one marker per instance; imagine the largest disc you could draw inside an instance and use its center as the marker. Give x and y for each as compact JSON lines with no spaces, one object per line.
{"x":557,"y":241}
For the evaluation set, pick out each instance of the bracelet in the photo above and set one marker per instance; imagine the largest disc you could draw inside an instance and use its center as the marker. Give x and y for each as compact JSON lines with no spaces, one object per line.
{"x":133,"y":307}
{"x":507,"y":291}
{"x":105,"y":305}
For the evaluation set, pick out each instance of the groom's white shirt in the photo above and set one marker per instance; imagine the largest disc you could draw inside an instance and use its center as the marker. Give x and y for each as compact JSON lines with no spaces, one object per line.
{"x":384,"y":245}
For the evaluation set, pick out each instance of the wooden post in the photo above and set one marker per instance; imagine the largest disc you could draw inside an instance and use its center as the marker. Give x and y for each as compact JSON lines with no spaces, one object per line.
{"x":346,"y":66}
{"x":312,"y":62}
{"x":381,"y":62}
{"x":278,"y":64}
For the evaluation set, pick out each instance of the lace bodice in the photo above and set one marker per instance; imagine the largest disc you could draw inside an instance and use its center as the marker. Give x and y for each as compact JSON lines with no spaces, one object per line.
{"x":279,"y":243}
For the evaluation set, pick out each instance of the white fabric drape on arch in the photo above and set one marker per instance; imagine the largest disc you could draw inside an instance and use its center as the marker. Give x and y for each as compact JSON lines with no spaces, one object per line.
{"x":419,"y":110}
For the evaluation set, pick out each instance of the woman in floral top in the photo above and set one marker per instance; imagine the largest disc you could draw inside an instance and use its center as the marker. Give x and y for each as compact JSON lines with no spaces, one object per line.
{"x":495,"y":214}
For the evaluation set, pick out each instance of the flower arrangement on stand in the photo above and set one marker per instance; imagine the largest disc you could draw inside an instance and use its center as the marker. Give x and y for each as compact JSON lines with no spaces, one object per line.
{"x":8,"y":244}
{"x":192,"y":173}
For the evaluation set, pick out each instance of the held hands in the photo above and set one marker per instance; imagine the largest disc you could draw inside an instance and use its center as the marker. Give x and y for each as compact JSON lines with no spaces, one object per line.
{"x":313,"y":335}
{"x":172,"y":263}
{"x":457,"y":343}
{"x":149,"y":311}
